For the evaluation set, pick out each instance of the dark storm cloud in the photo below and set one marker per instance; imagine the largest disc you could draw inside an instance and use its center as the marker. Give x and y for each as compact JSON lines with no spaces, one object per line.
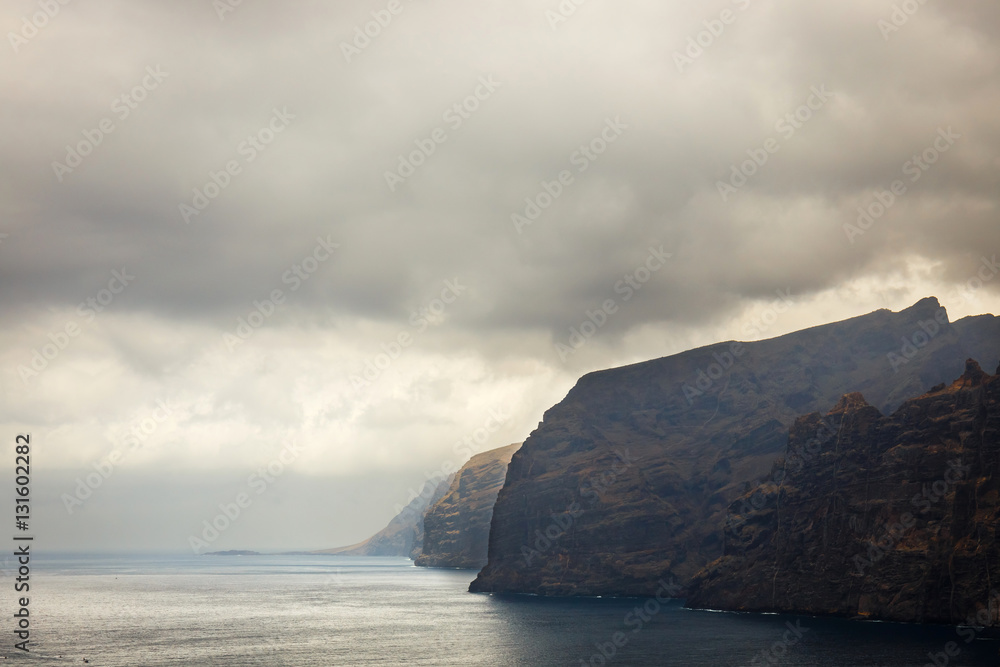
{"x":324,"y":174}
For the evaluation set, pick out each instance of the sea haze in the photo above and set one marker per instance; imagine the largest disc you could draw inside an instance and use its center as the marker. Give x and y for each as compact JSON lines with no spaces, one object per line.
{"x":304,"y":611}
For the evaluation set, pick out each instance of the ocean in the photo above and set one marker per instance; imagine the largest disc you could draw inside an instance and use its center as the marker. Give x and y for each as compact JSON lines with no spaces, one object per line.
{"x":306,"y":611}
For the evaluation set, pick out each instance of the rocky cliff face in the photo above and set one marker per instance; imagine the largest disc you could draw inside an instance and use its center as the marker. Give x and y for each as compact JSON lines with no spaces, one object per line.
{"x":628,"y":480}
{"x":892,"y":518}
{"x":457,"y":527}
{"x":404,"y":534}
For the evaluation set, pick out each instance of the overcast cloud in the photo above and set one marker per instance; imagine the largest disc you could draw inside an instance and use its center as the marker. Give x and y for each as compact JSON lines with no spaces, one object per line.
{"x":430,"y":264}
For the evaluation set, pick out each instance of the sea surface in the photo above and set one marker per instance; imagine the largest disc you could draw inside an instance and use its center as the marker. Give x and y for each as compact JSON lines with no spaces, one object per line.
{"x":329,"y":611}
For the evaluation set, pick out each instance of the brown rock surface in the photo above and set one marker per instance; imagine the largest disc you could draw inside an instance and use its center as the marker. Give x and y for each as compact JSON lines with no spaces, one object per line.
{"x":457,"y":527}
{"x":891,"y":518}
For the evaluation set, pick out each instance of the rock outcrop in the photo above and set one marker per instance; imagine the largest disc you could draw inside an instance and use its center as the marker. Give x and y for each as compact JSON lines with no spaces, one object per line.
{"x":893,"y":518}
{"x":457,"y":527}
{"x":628,"y":480}
{"x":404,"y":534}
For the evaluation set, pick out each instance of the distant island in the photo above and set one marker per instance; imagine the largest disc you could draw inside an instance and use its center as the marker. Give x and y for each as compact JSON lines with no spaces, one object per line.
{"x":233,"y":552}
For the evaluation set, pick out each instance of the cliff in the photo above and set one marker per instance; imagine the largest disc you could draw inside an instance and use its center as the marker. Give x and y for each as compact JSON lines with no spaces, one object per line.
{"x":404,"y":534}
{"x":627,"y":481}
{"x":457,"y":527}
{"x":892,"y":518}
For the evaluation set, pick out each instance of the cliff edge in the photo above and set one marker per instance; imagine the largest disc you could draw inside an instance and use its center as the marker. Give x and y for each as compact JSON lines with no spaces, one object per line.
{"x":457,"y":527}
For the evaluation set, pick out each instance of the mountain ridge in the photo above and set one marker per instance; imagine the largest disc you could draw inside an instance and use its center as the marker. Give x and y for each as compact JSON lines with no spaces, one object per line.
{"x":627,"y":480}
{"x":404,"y":534}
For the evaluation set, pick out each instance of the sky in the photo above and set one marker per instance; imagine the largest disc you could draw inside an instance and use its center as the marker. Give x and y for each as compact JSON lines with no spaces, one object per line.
{"x":280,"y":262}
